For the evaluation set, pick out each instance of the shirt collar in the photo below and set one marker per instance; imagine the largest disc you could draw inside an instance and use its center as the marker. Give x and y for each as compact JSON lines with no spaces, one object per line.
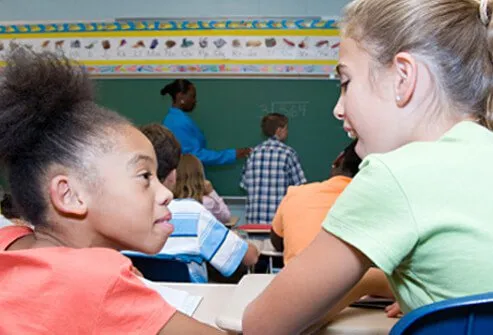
{"x":178,"y":111}
{"x":339,"y":182}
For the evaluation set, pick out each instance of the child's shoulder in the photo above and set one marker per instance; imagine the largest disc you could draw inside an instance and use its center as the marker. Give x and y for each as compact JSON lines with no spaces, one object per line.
{"x":93,"y":263}
{"x":272,"y":144}
{"x":185,"y":205}
{"x":68,"y":269}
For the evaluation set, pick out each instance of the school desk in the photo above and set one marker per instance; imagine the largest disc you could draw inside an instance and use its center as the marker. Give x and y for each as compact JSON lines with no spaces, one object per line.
{"x":263,"y":244}
{"x":254,"y":228}
{"x":271,"y":254}
{"x":266,"y":249}
{"x":217,"y":299}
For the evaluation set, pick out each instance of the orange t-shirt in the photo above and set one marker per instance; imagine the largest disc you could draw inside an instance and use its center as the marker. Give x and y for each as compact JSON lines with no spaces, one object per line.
{"x":300,"y":215}
{"x":73,"y":291}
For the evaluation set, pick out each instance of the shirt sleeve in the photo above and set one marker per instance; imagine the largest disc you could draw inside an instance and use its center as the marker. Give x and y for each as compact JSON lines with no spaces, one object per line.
{"x":129,"y":307}
{"x":214,"y":157}
{"x":246,"y":175}
{"x":222,"y":248}
{"x":374,"y":216}
{"x":295,"y":171}
{"x":215,"y":204}
{"x":191,"y":144}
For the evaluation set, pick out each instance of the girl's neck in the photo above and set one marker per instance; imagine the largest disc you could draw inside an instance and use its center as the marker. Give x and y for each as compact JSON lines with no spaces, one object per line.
{"x":178,"y":107}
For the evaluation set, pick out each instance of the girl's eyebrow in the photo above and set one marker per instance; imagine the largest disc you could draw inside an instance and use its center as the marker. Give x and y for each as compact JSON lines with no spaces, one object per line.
{"x":139,"y":157}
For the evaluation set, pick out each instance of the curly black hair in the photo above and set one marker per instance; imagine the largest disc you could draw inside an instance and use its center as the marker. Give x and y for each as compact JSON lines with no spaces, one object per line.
{"x":177,"y":86}
{"x":47,"y":117}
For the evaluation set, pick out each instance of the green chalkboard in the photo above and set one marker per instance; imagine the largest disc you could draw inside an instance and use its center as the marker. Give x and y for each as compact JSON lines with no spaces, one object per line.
{"x":229,"y":112}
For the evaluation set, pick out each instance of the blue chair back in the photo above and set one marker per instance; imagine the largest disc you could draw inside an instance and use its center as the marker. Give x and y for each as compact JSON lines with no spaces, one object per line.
{"x":161,"y":268}
{"x":467,"y":315}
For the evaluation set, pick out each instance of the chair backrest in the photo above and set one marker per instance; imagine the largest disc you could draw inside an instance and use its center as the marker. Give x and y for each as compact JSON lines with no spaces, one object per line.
{"x":160,"y":268}
{"x":468,"y":315}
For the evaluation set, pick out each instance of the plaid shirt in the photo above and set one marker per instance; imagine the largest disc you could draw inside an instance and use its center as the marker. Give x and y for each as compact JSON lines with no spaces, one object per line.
{"x":271,"y":168}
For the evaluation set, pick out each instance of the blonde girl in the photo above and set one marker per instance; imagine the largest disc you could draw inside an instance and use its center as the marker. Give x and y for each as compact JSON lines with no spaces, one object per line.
{"x":416,"y":90}
{"x":191,"y":183}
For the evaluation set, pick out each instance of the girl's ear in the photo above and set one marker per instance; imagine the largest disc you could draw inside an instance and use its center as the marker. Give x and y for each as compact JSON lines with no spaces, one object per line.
{"x":406,"y":73}
{"x":66,"y":196}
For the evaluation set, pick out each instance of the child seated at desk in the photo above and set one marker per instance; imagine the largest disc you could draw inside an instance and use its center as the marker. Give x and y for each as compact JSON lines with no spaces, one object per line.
{"x":85,"y":178}
{"x":301,"y":212}
{"x":198,"y":235}
{"x":299,"y":219}
{"x":416,"y":90}
{"x":191,"y":183}
{"x":270,"y":169}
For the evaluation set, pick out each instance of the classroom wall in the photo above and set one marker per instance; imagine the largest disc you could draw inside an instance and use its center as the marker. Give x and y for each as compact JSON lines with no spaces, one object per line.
{"x":42,"y":10}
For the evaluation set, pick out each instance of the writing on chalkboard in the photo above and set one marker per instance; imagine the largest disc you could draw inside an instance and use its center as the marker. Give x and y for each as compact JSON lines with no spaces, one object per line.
{"x":292,"y":109}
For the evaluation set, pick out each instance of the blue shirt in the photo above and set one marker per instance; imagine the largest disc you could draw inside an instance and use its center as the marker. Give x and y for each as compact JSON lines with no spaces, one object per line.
{"x":270,"y":169}
{"x":193,"y":141}
{"x":199,"y":237}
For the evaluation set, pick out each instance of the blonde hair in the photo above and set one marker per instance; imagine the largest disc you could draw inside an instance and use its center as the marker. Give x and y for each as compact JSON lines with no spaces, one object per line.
{"x":450,"y":36}
{"x":189,"y":178}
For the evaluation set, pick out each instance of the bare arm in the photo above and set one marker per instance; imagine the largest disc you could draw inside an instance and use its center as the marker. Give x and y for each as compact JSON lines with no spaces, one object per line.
{"x":373,"y":282}
{"x":182,"y":324}
{"x":215,"y":204}
{"x":294,"y":300}
{"x":251,"y":256}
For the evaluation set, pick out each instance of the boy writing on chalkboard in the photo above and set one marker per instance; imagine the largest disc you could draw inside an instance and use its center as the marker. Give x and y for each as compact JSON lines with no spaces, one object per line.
{"x":271,"y":168}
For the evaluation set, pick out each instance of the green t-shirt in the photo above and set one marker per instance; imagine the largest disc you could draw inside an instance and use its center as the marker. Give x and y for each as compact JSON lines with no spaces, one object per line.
{"x":424,"y":215}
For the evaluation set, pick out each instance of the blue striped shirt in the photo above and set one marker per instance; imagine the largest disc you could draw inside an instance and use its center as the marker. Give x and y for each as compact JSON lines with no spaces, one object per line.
{"x":200,"y":236}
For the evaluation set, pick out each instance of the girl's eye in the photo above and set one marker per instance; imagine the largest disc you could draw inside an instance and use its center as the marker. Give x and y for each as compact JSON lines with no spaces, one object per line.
{"x":146,"y":176}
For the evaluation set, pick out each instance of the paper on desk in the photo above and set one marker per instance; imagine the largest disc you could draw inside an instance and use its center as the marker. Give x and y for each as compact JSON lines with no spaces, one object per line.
{"x":249,"y":287}
{"x":181,"y":300}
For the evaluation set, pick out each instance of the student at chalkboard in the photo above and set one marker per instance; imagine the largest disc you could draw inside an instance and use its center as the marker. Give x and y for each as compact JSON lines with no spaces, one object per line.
{"x":191,"y":183}
{"x":85,"y":177}
{"x":272,"y":167}
{"x":198,"y":235}
{"x":191,"y":138}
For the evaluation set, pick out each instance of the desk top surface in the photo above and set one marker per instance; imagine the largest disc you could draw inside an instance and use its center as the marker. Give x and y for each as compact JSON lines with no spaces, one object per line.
{"x":217,"y":300}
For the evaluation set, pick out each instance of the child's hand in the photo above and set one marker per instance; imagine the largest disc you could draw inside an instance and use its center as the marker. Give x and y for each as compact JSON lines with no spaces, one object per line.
{"x":208,"y":187}
{"x":393,"y":311}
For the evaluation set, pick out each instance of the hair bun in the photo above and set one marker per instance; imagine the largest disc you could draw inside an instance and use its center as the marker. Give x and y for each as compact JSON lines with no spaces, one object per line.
{"x":36,"y":90}
{"x":165,"y":90}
